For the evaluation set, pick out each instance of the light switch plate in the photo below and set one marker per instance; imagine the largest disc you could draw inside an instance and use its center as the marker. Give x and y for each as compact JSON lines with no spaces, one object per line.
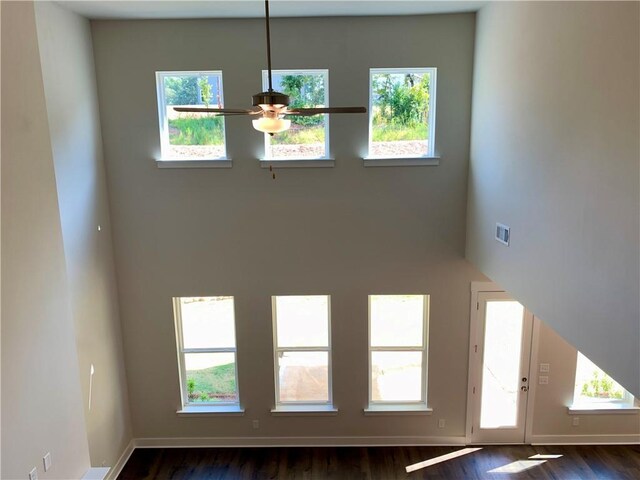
{"x":543,"y":380}
{"x":576,"y":421}
{"x":47,"y":461}
{"x":441,"y":423}
{"x":544,"y":368}
{"x":33,"y":474}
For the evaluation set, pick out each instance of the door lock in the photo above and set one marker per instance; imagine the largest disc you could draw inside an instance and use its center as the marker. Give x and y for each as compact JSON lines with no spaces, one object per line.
{"x":524,"y":379}
{"x":524,"y":389}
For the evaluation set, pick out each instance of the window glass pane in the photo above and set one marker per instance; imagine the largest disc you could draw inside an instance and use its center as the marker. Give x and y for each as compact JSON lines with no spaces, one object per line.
{"x":501,"y":364}
{"x":194,"y":135}
{"x":302,"y":321}
{"x":306,"y":137}
{"x":207,"y":322}
{"x":211,"y":377}
{"x":396,"y":376}
{"x":593,"y":385}
{"x":303,"y":376}
{"x":400,"y":114}
{"x":397,"y":320}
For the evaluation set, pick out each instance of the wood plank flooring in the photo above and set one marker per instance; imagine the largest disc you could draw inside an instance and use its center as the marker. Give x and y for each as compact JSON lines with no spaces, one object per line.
{"x":382,"y":463}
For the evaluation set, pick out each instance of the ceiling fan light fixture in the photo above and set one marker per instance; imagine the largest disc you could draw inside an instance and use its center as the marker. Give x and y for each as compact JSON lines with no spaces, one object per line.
{"x":271,"y":125}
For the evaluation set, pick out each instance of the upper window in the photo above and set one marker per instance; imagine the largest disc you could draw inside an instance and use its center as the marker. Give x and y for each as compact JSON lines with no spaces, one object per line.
{"x":190,"y":136}
{"x":206,"y":337}
{"x":402,"y":112}
{"x":308,"y":137}
{"x":302,"y":349}
{"x":594,"y":388}
{"x":398,"y":332}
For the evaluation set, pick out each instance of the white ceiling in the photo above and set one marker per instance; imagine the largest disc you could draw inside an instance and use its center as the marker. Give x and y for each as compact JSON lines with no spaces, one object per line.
{"x":139,"y":9}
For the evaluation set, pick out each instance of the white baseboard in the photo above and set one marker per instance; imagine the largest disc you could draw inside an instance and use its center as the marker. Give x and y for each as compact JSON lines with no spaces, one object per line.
{"x":626,"y":439}
{"x":177,"y":442}
{"x":124,"y":458}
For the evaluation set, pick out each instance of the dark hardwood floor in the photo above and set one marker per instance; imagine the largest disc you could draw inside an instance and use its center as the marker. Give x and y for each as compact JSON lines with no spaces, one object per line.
{"x":383,"y":463}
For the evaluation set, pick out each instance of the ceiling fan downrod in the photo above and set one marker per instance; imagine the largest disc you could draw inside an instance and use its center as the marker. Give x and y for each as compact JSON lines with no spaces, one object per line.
{"x":270,"y":97}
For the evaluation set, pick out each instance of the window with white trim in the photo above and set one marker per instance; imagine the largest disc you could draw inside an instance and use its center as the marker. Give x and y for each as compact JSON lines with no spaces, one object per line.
{"x":398,"y":349}
{"x":402,"y":112}
{"x":302,"y":349}
{"x":308,"y":137}
{"x":595,"y":389}
{"x":189,"y":135}
{"x":206,"y":339}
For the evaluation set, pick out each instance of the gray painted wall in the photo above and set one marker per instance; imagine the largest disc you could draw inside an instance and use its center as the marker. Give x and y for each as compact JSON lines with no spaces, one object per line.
{"x":41,"y":394}
{"x":68,"y":73}
{"x":554,"y":154}
{"x":347,"y":231}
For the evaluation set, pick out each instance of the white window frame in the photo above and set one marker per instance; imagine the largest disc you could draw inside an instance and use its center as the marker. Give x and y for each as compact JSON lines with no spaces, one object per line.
{"x":424,"y":348}
{"x":184,"y":392}
{"x":267,"y":138}
{"x":277,"y":350}
{"x":627,"y":401}
{"x":164,"y":121}
{"x":432,"y":71}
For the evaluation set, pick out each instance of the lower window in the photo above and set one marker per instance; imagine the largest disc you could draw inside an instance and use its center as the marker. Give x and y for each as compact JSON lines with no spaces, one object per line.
{"x":595,"y":389}
{"x":206,"y":340}
{"x":398,"y":332}
{"x":302,"y":350}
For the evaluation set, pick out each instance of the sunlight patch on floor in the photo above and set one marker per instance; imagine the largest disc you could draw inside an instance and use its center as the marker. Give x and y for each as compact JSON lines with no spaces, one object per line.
{"x":517,"y":466}
{"x":440,"y":459}
{"x":541,"y":456}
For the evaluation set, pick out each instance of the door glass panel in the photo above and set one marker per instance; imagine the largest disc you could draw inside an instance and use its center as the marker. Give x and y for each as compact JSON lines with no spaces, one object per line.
{"x":501,"y":364}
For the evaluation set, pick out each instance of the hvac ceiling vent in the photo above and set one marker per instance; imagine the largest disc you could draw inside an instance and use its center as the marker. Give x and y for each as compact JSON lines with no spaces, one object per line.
{"x":503,"y":234}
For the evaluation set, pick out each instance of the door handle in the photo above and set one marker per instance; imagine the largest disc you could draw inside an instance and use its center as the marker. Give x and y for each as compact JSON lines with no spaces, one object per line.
{"x":524,"y":389}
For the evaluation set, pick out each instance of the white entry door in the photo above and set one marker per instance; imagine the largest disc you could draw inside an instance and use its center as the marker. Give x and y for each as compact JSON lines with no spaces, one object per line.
{"x":499,"y":375}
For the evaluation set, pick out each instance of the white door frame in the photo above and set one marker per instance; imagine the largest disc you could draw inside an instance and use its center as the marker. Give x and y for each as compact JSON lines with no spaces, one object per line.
{"x":476,"y":288}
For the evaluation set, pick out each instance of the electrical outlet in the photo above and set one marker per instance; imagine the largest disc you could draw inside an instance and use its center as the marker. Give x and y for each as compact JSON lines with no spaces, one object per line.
{"x":543,"y":380}
{"x":256,"y":424}
{"x":441,"y":423}
{"x":47,"y":461}
{"x":576,"y":421}
{"x":33,"y":474}
{"x":544,"y":368}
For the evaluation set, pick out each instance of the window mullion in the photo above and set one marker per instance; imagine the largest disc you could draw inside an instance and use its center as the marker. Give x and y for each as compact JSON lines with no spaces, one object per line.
{"x":208,"y":350}
{"x":397,"y":349}
{"x":303,"y":349}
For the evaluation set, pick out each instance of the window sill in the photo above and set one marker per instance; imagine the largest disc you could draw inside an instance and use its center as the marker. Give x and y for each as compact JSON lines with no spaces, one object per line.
{"x":398,"y":410}
{"x":205,"y":163}
{"x":298,"y":163}
{"x":401,"y":161}
{"x":207,"y":410}
{"x":304,"y":411}
{"x":603,"y":409}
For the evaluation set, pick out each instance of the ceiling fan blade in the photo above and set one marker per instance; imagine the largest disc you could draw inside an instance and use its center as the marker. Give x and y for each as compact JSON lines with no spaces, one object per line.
{"x":317,"y":111}
{"x":219,"y":111}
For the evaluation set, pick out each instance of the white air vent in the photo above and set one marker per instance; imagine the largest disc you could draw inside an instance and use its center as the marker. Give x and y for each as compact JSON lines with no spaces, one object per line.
{"x":503,"y":233}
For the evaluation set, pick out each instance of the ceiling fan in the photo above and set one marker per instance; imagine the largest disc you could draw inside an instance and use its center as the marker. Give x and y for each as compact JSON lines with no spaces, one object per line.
{"x":271,"y":107}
